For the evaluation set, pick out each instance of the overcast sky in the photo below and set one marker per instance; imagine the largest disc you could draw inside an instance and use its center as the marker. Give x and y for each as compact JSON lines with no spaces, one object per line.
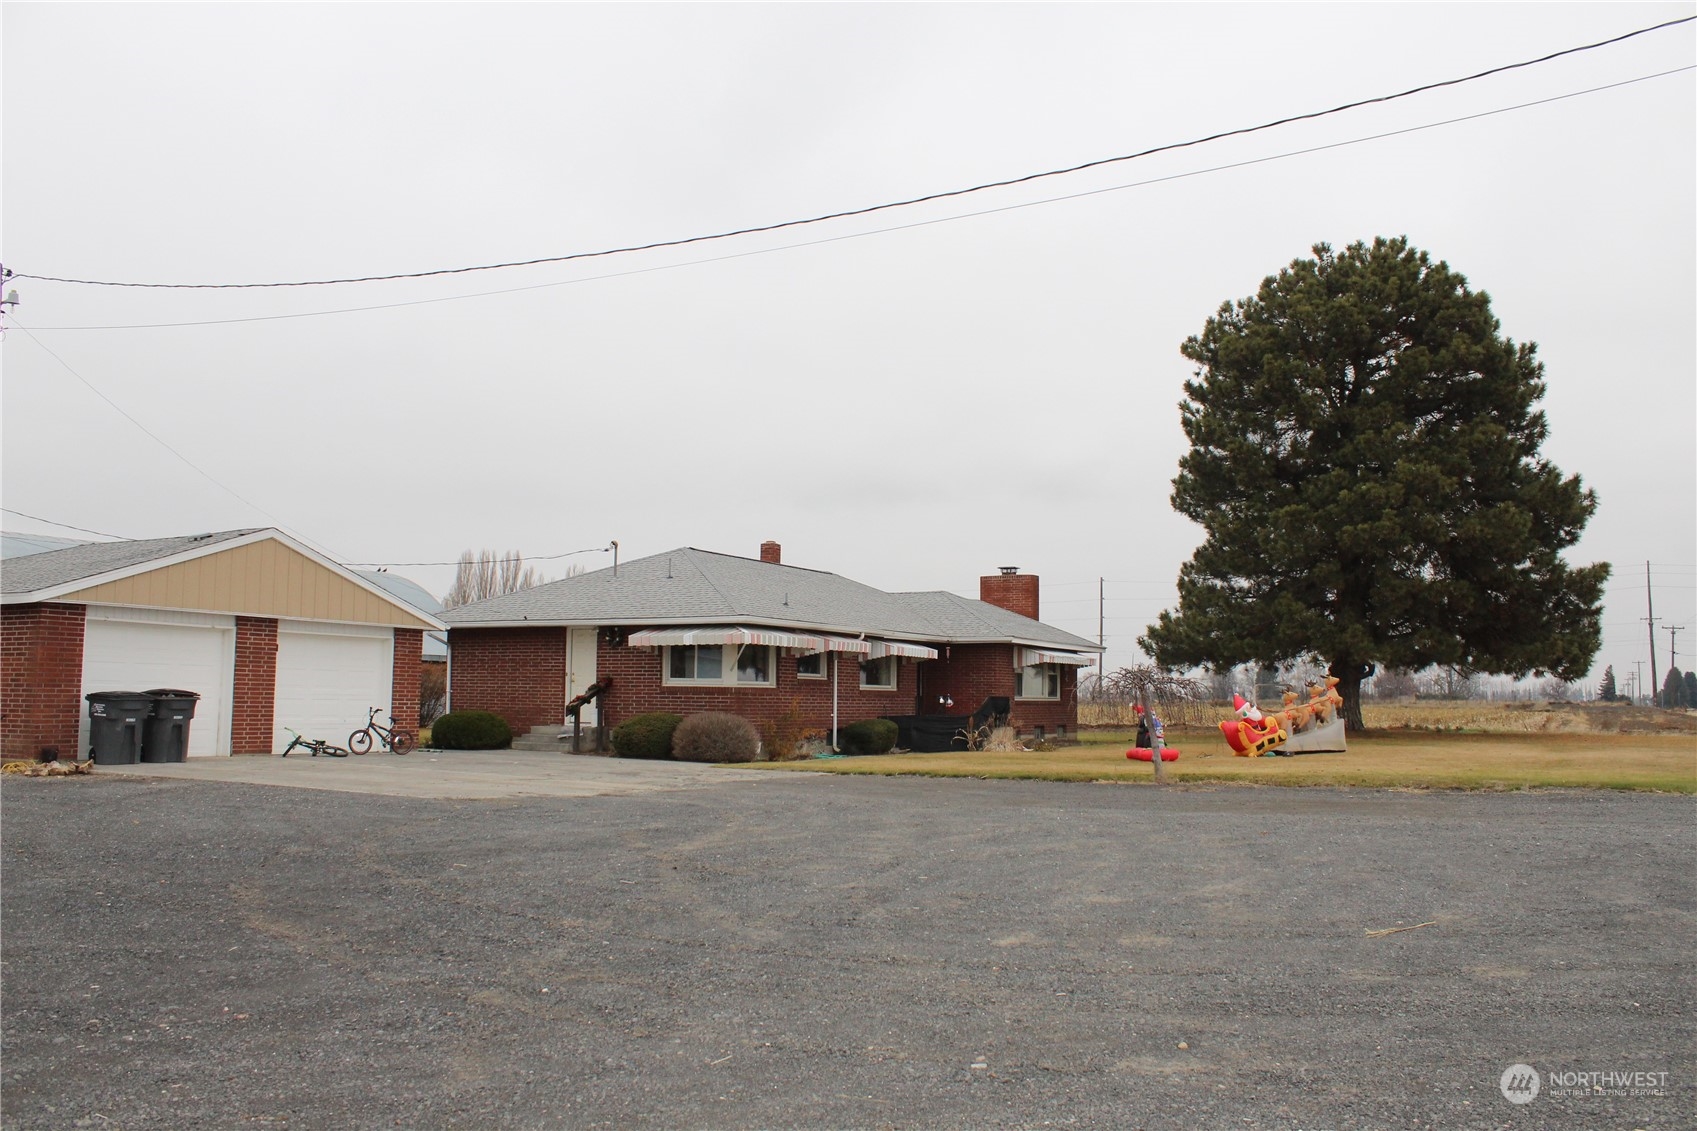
{"x":910,"y":399}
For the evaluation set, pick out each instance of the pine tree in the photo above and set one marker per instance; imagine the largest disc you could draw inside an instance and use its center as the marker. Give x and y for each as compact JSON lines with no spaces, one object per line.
{"x":1673,"y":689}
{"x":1606,"y":689}
{"x":1365,"y":464}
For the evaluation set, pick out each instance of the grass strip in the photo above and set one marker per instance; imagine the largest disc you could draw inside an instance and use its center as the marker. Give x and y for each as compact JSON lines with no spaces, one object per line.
{"x":1660,"y":763}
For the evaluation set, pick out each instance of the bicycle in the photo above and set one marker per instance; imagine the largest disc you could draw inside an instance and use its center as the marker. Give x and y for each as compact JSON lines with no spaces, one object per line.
{"x":316,"y":745}
{"x":394,"y":740}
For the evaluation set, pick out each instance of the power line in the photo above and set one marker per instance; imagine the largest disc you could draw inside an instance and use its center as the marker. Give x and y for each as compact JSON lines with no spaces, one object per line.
{"x":885,"y":230}
{"x":527,"y":559}
{"x":870,"y":209}
{"x":196,"y":468}
{"x":63,"y":525}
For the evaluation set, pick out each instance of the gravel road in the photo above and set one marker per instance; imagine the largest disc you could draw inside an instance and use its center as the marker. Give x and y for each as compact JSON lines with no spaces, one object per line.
{"x":844,"y":952}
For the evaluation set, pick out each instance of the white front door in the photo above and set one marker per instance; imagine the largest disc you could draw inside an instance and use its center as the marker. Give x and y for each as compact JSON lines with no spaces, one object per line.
{"x":580,"y":670}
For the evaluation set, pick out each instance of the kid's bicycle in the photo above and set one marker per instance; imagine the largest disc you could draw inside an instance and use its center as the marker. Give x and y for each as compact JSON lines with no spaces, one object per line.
{"x":394,"y":740}
{"x":315,"y":746}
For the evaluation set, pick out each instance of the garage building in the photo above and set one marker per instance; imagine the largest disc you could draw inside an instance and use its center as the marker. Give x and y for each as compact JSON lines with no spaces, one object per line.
{"x":270,"y":634}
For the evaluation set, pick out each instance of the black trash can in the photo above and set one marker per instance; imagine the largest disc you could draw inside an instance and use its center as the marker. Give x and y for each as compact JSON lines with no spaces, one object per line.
{"x":165,"y":733}
{"x":115,"y":721}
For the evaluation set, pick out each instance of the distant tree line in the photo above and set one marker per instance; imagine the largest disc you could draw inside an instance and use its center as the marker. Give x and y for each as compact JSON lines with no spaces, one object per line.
{"x":1679,"y":689}
{"x":486,"y":574}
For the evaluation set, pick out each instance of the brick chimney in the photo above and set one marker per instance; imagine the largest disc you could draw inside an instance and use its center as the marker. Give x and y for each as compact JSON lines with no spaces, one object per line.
{"x":1010,"y":590}
{"x":772,"y":552}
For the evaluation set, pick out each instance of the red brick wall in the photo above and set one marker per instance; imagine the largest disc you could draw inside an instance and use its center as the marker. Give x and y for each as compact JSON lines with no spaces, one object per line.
{"x":1015,"y":592}
{"x":518,"y":673}
{"x":41,"y":700}
{"x":409,"y":653}
{"x":971,"y":673}
{"x":253,"y":705}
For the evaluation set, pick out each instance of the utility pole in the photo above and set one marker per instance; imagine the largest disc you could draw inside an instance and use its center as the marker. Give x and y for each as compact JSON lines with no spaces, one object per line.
{"x":1673,"y":631}
{"x":1650,"y":608}
{"x":1638,"y":678}
{"x":1101,"y":633}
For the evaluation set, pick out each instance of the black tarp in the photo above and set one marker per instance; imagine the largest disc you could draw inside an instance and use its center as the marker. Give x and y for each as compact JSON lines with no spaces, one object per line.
{"x":931,"y":734}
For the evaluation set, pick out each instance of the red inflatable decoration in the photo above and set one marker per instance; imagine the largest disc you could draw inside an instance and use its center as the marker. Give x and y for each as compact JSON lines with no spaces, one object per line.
{"x":1144,"y":754}
{"x":1252,"y":734}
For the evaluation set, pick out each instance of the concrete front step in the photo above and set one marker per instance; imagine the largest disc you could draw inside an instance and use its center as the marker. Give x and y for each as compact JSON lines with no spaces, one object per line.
{"x":547,"y":738}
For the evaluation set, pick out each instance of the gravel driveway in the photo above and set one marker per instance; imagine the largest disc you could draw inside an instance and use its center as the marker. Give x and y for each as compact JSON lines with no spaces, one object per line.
{"x":843,"y":952}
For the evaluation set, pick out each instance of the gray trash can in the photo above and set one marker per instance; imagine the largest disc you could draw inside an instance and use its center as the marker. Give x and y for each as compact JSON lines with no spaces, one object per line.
{"x":165,"y":732}
{"x":115,"y":721}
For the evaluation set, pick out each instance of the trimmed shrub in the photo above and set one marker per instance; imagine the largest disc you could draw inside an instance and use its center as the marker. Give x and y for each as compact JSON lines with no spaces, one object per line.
{"x":869,"y":736}
{"x":646,"y":736}
{"x":471,"y":730}
{"x":715,"y":736}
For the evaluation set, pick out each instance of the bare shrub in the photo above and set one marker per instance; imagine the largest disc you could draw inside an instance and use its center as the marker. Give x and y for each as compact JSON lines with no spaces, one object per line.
{"x":432,"y":692}
{"x":784,"y":733}
{"x":715,"y":736}
{"x":1179,"y":700}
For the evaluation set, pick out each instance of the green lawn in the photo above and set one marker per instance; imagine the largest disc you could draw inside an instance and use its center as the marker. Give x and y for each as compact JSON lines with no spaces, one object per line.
{"x":1666,"y":763}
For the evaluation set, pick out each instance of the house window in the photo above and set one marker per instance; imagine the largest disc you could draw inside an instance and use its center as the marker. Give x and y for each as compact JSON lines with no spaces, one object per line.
{"x":1038,"y":681}
{"x":720,"y":665}
{"x":810,"y":667}
{"x":879,"y":674}
{"x":754,"y":664}
{"x":695,"y":663}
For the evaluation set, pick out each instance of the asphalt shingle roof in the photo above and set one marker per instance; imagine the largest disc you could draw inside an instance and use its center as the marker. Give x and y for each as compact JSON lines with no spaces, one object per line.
{"x":36,"y":572}
{"x":691,"y":586}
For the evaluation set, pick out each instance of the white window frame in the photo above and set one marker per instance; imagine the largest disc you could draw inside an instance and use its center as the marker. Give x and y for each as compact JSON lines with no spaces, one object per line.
{"x":1051,"y":673}
{"x":824,"y":666}
{"x":727,"y":676}
{"x":892,"y":664}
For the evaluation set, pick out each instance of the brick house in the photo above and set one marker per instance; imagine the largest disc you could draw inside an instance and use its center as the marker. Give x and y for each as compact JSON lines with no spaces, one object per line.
{"x":268,"y":632}
{"x":690,"y":630}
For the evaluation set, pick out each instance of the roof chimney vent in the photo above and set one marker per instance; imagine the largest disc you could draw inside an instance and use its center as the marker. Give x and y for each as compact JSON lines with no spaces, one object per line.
{"x":1011,"y":590}
{"x":772,"y":552}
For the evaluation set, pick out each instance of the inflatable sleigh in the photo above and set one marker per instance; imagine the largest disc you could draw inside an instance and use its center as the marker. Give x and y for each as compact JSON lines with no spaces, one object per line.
{"x":1300,"y":728}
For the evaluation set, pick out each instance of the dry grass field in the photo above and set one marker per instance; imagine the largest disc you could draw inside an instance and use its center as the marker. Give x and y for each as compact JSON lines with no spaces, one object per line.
{"x":1415,"y":746}
{"x":1476,"y":716}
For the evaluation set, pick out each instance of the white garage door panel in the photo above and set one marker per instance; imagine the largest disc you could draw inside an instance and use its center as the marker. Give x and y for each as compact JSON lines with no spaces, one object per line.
{"x":125,"y":656}
{"x":325,"y":683}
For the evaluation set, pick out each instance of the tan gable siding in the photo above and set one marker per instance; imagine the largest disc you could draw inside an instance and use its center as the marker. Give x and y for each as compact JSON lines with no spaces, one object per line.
{"x":265,"y":579}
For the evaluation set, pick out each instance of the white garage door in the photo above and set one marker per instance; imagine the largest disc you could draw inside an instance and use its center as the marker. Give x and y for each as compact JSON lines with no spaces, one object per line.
{"x":136,"y":650}
{"x":328,"y":676}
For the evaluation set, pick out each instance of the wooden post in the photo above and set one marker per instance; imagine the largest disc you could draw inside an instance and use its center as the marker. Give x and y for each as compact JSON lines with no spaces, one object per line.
{"x":1157,"y":736}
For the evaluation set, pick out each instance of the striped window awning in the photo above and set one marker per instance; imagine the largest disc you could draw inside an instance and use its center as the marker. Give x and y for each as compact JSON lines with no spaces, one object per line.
{"x":844,"y":644}
{"x":882,"y":648}
{"x":1071,"y":659}
{"x":722,"y":634}
{"x":736,"y":634}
